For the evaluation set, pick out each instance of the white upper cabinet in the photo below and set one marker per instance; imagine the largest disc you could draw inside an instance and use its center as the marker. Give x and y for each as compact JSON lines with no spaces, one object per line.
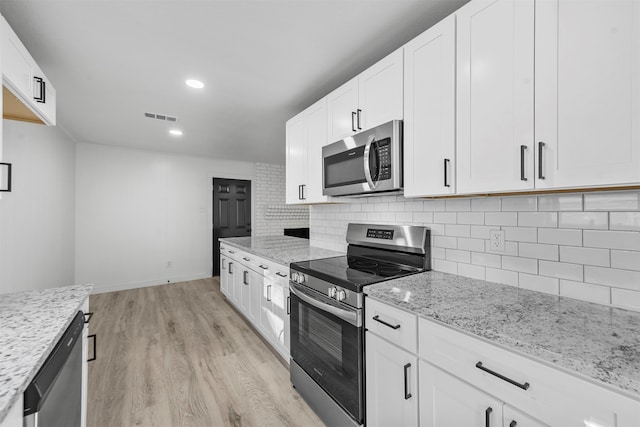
{"x":587,"y":93}
{"x":370,"y":99}
{"x":33,"y":97}
{"x":429,"y":111}
{"x":495,"y":66}
{"x":306,"y":134}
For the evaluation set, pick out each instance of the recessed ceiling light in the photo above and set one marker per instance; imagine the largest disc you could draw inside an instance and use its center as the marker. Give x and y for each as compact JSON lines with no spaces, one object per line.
{"x":197,"y":84}
{"x":175,"y":132}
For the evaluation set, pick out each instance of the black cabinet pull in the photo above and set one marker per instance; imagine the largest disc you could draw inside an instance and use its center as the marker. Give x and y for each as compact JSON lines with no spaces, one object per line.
{"x":230,"y":270}
{"x":95,"y":340}
{"x":358,"y":115}
{"x":264,"y":267}
{"x":87,"y":317}
{"x":487,"y":416}
{"x":523,"y":148}
{"x":353,"y":121}
{"x":281,"y":274}
{"x":540,"y":147}
{"x":246,"y":259}
{"x":288,"y":305}
{"x":232,"y":252}
{"x":303,"y":196}
{"x":377,"y":319}
{"x":299,"y":192}
{"x":8,"y":188}
{"x":524,"y":386}
{"x":244,"y":277}
{"x":407,"y":395}
{"x":513,"y":423}
{"x":43,"y":90}
{"x":446,"y":167}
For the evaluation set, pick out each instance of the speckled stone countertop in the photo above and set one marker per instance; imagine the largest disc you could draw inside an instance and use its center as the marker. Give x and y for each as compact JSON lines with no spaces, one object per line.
{"x":281,"y":249}
{"x":599,"y":342}
{"x":31,"y":323}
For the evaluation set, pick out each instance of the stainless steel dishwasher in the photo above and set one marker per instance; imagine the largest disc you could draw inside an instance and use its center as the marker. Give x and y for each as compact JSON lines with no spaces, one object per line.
{"x":54,"y":397}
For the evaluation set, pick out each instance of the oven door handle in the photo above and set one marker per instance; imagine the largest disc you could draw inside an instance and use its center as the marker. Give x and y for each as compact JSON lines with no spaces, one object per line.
{"x":367,"y":169}
{"x":351,"y":317}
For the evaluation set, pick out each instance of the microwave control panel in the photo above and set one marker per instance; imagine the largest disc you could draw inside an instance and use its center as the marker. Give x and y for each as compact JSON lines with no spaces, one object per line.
{"x":384,"y":154}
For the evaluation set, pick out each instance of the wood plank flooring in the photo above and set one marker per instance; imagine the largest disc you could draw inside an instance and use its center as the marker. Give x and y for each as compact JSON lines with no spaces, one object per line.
{"x":179,"y":355}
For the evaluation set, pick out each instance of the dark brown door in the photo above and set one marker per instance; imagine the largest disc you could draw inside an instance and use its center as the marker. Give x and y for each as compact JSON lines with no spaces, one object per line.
{"x":231,"y":213}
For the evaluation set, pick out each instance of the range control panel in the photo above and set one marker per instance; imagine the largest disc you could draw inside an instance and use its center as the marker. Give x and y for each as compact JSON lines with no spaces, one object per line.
{"x":378,"y":233}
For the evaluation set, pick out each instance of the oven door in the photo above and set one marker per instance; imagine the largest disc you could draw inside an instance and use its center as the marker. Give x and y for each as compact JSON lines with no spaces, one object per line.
{"x":327,"y":343}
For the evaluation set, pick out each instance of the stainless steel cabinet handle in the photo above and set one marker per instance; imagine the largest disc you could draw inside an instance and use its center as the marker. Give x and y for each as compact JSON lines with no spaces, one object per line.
{"x":487,"y":416}
{"x":540,"y":148}
{"x":523,"y":148}
{"x":377,"y":319}
{"x":367,"y":169}
{"x":230,"y":270}
{"x":446,"y":164}
{"x":303,"y":196}
{"x":524,"y":386}
{"x":268,"y":292}
{"x":358,"y":115}
{"x":43,"y":90}
{"x":353,"y":124}
{"x":407,"y":395}
{"x":244,"y":277}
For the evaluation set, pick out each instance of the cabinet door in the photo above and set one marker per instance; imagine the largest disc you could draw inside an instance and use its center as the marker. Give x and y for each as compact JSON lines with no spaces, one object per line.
{"x":224,"y":275}
{"x":46,"y":93}
{"x":236,"y":270}
{"x":429,"y":111}
{"x":446,"y":401}
{"x":588,"y":92}
{"x":296,"y":159}
{"x":380,"y":92}
{"x":316,"y":138}
{"x":515,"y":418}
{"x":391,"y":384}
{"x":495,"y":96}
{"x":255,"y":291}
{"x":342,"y":105}
{"x":16,"y":63}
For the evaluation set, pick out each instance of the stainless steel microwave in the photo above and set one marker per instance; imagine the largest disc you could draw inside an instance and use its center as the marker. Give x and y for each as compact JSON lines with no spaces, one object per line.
{"x":367,"y":162}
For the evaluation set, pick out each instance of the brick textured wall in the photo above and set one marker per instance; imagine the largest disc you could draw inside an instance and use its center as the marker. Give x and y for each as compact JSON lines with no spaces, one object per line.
{"x":272,"y":215}
{"x":584,"y":246}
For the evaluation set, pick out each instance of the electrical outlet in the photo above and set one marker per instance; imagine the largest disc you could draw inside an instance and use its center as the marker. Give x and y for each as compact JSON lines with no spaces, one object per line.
{"x":496,"y":237}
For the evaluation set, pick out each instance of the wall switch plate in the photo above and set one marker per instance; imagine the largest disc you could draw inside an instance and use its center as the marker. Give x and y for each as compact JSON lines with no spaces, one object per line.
{"x":496,"y":237}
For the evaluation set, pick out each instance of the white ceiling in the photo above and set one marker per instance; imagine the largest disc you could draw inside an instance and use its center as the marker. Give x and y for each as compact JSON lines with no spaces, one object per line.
{"x":262,"y":62}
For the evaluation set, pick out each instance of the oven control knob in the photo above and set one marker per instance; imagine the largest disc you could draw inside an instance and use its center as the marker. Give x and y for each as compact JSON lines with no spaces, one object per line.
{"x":294,"y":276}
{"x":341,"y":295}
{"x":332,"y":292}
{"x":301,"y":278}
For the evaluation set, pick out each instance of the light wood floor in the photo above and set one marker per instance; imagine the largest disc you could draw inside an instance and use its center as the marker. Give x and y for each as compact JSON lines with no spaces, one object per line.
{"x":179,"y":355}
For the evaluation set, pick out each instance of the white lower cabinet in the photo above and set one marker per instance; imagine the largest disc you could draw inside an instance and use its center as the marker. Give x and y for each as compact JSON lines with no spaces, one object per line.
{"x":225,"y":277}
{"x":514,"y":418}
{"x":274,"y":309}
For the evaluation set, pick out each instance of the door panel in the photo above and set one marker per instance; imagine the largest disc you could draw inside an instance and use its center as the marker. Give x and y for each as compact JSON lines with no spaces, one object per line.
{"x":342,"y":104}
{"x":380,"y":92}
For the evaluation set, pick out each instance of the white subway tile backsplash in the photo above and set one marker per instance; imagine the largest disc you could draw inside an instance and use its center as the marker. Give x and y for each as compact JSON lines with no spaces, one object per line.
{"x":436,"y":229}
{"x":404,"y":217}
{"x":612,"y":277}
{"x":355,"y":207}
{"x":537,"y":219}
{"x":486,"y":204}
{"x":381,"y":207}
{"x":519,"y":204}
{"x":481,"y":231}
{"x":628,"y":260}
{"x":457,"y":205}
{"x":414,"y":206}
{"x":424,"y":217}
{"x":539,"y":251}
{"x":548,"y":285}
{"x":511,"y":248}
{"x":586,"y":256}
{"x":439,"y":253}
{"x":524,"y":265}
{"x":445,"y":242}
{"x":501,"y":218}
{"x":582,"y":220}
{"x":521,"y":234}
{"x":475,"y":218}
{"x":564,"y":202}
{"x":501,"y":276}
{"x":473,"y":271}
{"x":585,"y":291}
{"x":629,"y":240}
{"x":487,"y":260}
{"x":397,"y":206}
{"x":457,"y":230}
{"x":561,"y":270}
{"x":434,"y":205}
{"x":624,"y":221}
{"x":560,"y":236}
{"x":625,"y":298}
{"x":445,"y":217}
{"x":445,"y":266}
{"x":611,"y":201}
{"x":469,"y":244}
{"x":458,"y":256}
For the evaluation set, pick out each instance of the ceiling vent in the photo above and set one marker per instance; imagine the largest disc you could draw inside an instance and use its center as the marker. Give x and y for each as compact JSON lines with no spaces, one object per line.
{"x":161,"y":117}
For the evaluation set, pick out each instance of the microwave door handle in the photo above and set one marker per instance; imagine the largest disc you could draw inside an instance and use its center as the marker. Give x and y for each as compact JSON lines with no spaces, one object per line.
{"x":367,"y":170}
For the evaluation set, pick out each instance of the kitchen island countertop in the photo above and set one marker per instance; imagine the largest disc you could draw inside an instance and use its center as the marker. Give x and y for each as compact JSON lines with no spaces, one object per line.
{"x":598,"y":342}
{"x":31,"y":323}
{"x":280,"y":249}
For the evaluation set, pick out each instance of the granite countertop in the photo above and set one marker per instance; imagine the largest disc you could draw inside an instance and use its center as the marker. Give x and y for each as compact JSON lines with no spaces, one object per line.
{"x":281,"y":249}
{"x":31,"y":323}
{"x":599,"y":342}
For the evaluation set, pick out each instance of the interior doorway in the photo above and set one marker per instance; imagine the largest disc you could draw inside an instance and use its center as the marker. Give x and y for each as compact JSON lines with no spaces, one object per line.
{"x":231,"y":213}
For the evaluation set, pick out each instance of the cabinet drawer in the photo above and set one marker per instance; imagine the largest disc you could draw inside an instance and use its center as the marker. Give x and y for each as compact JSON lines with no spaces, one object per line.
{"x":396,"y":326}
{"x":275,"y":271}
{"x":553,"y":396}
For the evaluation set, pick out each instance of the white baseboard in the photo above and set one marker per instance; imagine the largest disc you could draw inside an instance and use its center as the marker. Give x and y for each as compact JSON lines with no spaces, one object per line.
{"x":101,"y":289}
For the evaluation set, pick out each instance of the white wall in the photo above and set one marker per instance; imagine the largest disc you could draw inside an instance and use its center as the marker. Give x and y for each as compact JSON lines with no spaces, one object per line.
{"x":138,"y":210}
{"x":37,"y":218}
{"x":584,"y":246}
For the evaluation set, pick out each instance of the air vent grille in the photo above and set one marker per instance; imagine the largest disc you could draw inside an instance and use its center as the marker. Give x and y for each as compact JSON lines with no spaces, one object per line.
{"x":159,"y":116}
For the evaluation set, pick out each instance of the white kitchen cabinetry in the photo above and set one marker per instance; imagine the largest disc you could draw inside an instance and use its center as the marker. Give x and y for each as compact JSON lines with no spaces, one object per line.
{"x":587,"y":93}
{"x":514,"y":418}
{"x":85,"y":365}
{"x":15,"y":417}
{"x":225,"y":277}
{"x":306,"y":134}
{"x":274,"y":308}
{"x":22,"y":76}
{"x":429,"y":111}
{"x":495,"y":66}
{"x":370,"y":99}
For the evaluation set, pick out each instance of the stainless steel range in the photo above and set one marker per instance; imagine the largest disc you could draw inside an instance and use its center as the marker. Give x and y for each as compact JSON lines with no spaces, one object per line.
{"x":327,"y":301}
